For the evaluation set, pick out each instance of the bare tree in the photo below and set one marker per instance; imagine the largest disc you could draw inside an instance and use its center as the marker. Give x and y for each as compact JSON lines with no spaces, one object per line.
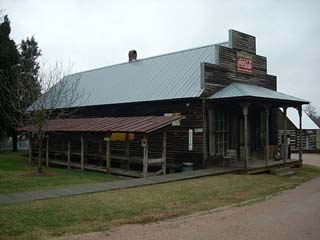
{"x":60,"y":96}
{"x":311,"y":111}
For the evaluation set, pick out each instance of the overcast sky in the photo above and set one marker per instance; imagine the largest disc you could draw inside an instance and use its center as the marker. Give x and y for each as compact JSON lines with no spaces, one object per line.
{"x":96,"y":33}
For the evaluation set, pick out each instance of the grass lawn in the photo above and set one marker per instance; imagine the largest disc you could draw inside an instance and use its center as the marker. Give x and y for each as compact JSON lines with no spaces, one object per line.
{"x":16,"y":175}
{"x":101,"y":211}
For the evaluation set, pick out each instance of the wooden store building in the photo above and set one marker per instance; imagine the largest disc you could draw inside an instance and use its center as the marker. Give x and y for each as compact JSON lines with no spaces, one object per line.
{"x":208,"y":106}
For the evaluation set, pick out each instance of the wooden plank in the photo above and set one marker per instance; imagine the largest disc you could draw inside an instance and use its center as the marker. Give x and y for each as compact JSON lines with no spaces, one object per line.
{"x":69,"y":154}
{"x":82,"y":153}
{"x":164,"y":151}
{"x":47,"y":152}
{"x":145,"y":155}
{"x":108,"y":154}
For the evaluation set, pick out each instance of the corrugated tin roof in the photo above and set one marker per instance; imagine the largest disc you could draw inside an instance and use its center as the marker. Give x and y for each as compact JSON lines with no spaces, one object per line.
{"x":109,"y":124}
{"x":169,"y":76}
{"x":240,"y":90}
{"x":307,"y":122}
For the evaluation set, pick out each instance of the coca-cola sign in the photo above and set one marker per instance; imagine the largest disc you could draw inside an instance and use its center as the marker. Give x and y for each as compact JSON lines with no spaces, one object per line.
{"x":244,"y":62}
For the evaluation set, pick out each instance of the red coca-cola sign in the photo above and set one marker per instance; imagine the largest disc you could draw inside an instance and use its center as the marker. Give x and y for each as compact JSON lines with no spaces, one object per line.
{"x":244,"y":62}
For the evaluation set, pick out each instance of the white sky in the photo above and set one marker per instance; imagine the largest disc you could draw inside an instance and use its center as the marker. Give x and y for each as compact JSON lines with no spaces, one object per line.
{"x":97,"y":33}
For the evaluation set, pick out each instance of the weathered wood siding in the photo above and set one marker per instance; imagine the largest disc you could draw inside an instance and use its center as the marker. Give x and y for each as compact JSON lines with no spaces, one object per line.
{"x":242,"y":41}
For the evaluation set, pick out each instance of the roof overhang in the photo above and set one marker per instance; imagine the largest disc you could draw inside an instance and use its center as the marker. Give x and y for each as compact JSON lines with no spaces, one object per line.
{"x":144,"y":124}
{"x":238,"y":92}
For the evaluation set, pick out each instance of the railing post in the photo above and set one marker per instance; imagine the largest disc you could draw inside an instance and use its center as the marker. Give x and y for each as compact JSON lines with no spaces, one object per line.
{"x":285,"y":142}
{"x":300,"y":132}
{"x":245,"y":116}
{"x":145,"y":155}
{"x":108,"y":154}
{"x":164,"y":151}
{"x":267,"y":111}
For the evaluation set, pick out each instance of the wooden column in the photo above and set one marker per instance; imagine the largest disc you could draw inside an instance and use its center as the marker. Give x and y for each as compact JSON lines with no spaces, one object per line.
{"x":128,"y":149}
{"x":145,"y":155}
{"x":300,"y":132}
{"x":164,"y":151}
{"x":69,"y":154}
{"x":30,"y":150}
{"x":82,"y":153}
{"x":267,"y":156}
{"x":245,"y":116}
{"x":100,"y":153}
{"x":285,"y":143}
{"x":47,"y":152}
{"x":108,"y":154}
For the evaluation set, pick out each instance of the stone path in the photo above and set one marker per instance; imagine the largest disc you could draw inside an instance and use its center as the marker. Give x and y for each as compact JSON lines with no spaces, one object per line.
{"x":107,"y":186}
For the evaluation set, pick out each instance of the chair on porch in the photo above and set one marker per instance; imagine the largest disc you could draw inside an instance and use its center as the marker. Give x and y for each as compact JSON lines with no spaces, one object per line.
{"x":229,"y":158}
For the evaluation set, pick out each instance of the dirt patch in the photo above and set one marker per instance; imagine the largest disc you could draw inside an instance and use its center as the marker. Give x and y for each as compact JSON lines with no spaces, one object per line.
{"x":36,"y":174}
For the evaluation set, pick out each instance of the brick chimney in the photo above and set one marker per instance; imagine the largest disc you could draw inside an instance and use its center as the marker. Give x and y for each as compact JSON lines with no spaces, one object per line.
{"x":132,"y":55}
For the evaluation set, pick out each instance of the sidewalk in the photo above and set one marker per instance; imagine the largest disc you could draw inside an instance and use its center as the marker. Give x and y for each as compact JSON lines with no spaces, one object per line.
{"x":108,"y":186}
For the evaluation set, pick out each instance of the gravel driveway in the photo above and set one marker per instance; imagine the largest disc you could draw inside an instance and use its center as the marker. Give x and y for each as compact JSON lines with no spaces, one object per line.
{"x":293,"y":214}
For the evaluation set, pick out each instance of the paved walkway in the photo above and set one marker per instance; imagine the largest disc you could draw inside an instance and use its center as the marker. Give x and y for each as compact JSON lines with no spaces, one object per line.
{"x":107,"y":186}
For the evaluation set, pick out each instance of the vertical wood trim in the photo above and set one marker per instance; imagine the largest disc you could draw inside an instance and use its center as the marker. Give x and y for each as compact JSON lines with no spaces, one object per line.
{"x":204,"y":132}
{"x":100,"y":153}
{"x":164,"y":152}
{"x":145,"y":156}
{"x":245,"y":116}
{"x":82,"y":153}
{"x":108,"y":155}
{"x":30,"y":150}
{"x":69,"y":154}
{"x":285,"y":143}
{"x":300,"y":132}
{"x":47,"y":152}
{"x":267,"y":110}
{"x":211,"y":135}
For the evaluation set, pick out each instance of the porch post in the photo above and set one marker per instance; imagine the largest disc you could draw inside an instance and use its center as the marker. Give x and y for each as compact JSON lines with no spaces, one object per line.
{"x":245,"y":115}
{"x":267,"y":111}
{"x":164,"y":151}
{"x":108,"y":154}
{"x":285,"y":143}
{"x":30,"y":150}
{"x":300,"y":132}
{"x":82,"y":153}
{"x":145,"y":155}
{"x":69,"y":154}
{"x":47,"y":152}
{"x":128,"y":149}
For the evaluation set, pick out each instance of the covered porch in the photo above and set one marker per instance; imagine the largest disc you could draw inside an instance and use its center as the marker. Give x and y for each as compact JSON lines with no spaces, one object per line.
{"x":243,"y":128}
{"x":129,"y":146}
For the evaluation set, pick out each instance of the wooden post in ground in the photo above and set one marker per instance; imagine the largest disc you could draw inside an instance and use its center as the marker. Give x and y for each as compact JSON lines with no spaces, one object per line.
{"x":47,"y":152}
{"x":128,"y":149}
{"x":300,"y":132}
{"x":30,"y":150}
{"x":145,"y":155}
{"x":82,"y":153}
{"x":285,"y":142}
{"x":245,"y":116}
{"x":69,"y":154}
{"x":267,"y":111}
{"x":108,"y":154}
{"x":164,"y":151}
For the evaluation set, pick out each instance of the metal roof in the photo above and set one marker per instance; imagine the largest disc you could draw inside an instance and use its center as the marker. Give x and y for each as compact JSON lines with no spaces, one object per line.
{"x":307,"y":122}
{"x":109,"y":124}
{"x":169,"y":76}
{"x":241,"y":90}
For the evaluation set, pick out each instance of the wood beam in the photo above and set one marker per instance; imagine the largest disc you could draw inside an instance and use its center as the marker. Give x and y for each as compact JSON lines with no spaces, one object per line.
{"x":47,"y":152}
{"x":245,"y":107}
{"x":164,"y":151}
{"x":69,"y":154}
{"x":108,"y":154}
{"x":285,"y":143}
{"x":267,"y":111}
{"x":145,"y":155}
{"x":82,"y":153}
{"x":300,"y":132}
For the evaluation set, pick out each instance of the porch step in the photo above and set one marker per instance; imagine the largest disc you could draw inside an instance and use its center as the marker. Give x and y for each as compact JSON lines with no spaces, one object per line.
{"x":283,"y":171}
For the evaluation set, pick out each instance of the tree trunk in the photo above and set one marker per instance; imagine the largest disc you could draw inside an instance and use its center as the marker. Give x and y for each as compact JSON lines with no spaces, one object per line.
{"x":14,"y":140}
{"x":40,"y":157}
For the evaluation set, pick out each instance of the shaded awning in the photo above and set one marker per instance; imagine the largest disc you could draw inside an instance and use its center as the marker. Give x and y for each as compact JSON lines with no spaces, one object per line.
{"x":145,"y":124}
{"x":238,"y":91}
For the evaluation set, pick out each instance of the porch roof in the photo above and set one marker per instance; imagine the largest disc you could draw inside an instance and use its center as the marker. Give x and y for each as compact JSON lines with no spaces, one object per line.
{"x":145,"y":124}
{"x":246,"y":91}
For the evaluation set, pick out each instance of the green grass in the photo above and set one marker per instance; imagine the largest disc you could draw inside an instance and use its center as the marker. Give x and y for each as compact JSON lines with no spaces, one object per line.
{"x":101,"y":211}
{"x":15,"y":166}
